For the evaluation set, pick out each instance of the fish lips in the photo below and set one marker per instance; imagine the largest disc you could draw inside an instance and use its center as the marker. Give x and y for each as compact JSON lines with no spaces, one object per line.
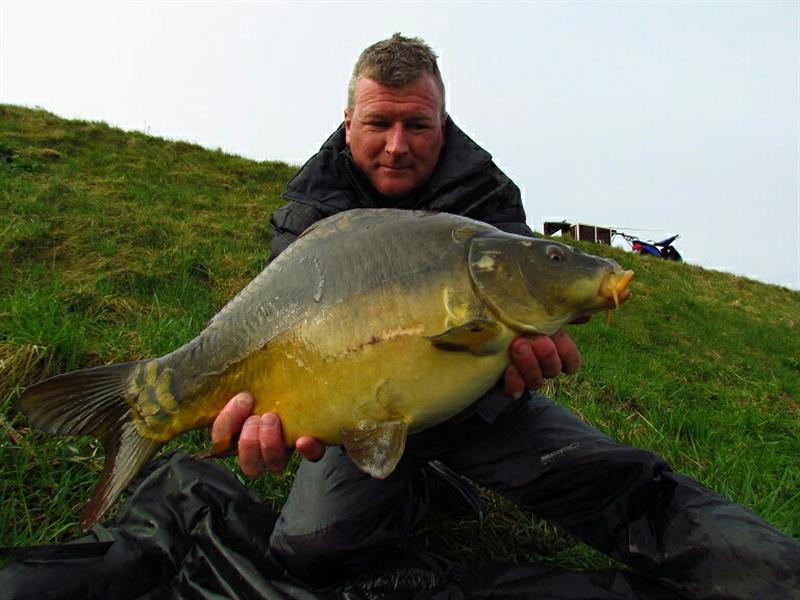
{"x":615,"y":287}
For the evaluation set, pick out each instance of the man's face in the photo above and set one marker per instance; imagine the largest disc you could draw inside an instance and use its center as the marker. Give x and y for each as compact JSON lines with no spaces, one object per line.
{"x":395,"y":134}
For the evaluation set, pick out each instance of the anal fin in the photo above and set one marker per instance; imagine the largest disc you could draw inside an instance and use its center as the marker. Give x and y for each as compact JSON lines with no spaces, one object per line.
{"x":376,"y":448}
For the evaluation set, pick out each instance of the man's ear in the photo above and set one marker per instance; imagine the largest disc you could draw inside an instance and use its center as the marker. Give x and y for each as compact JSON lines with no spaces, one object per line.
{"x":347,"y":123}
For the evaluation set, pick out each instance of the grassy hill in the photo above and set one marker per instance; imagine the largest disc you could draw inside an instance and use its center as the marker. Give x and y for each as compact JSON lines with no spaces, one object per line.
{"x":117,"y":246}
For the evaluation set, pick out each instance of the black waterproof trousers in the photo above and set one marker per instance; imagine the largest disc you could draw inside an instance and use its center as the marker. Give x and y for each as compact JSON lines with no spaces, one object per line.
{"x":623,"y":501}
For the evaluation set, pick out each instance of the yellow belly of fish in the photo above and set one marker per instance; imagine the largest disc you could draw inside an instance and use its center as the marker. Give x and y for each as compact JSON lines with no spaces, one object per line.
{"x":405,"y":378}
{"x":376,"y":365}
{"x":366,"y":360}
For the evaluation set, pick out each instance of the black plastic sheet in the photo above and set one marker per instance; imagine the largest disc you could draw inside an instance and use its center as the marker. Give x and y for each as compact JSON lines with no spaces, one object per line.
{"x":190,"y":529}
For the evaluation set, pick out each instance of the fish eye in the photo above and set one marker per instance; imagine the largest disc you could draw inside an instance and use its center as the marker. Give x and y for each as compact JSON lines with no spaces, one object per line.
{"x":555,"y":253}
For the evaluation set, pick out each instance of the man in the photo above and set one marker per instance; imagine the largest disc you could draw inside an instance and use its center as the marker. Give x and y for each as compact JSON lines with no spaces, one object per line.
{"x":399,"y":148}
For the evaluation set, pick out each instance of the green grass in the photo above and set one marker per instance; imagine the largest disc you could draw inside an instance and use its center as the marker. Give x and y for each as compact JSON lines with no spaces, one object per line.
{"x":118,"y":246}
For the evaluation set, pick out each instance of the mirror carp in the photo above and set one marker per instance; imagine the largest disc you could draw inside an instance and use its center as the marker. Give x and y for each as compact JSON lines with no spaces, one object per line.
{"x":373,"y":325}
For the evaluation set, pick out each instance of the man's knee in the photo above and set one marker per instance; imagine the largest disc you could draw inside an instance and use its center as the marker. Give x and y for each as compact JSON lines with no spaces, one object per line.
{"x":336,"y":517}
{"x":344,"y":546}
{"x":312,"y":556}
{"x":582,"y":479}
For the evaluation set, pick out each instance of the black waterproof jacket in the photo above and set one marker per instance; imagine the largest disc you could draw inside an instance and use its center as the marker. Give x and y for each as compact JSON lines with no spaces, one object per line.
{"x":465,"y":182}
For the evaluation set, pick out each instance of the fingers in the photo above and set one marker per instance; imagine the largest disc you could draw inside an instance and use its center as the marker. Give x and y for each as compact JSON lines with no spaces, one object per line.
{"x":230,"y":420}
{"x":261,"y":446}
{"x":515,"y":385}
{"x":309,"y":448}
{"x":273,"y":449}
{"x":536,"y":358}
{"x":527,"y":365}
{"x":250,"y":460}
{"x":546,"y":353}
{"x":567,"y":351}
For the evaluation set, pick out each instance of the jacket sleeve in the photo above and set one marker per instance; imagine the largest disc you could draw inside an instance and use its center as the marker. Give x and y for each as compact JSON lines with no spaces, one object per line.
{"x":288,"y":222}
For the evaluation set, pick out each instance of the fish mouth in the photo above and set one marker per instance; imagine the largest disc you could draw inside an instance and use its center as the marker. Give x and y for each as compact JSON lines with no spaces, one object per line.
{"x":615,"y":286}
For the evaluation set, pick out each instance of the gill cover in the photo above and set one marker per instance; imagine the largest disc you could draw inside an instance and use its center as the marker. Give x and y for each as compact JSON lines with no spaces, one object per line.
{"x":535,"y":285}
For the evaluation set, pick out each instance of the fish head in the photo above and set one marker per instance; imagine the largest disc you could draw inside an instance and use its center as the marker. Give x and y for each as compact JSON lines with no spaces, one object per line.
{"x":537,"y":286}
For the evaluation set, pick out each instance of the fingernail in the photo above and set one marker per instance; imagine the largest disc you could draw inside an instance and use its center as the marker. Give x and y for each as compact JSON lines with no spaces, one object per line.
{"x":522,"y":350}
{"x":243,"y":399}
{"x":251,"y":423}
{"x":517,"y":395}
{"x":269,"y":419}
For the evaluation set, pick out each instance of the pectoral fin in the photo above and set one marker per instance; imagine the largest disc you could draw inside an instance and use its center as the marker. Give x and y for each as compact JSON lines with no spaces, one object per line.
{"x":376,"y":448}
{"x":479,"y":336}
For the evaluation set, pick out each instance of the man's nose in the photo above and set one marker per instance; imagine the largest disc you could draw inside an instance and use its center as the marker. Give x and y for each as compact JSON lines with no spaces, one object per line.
{"x":397,"y":141}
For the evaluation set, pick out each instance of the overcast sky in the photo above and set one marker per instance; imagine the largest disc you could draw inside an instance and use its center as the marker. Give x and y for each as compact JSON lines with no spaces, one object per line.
{"x":658,"y":117}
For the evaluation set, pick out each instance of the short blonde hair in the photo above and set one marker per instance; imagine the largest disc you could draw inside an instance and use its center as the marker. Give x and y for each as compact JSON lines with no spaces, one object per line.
{"x":396,"y":62}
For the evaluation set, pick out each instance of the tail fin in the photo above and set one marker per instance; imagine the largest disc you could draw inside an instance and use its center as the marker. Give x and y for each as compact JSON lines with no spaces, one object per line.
{"x":91,"y":402}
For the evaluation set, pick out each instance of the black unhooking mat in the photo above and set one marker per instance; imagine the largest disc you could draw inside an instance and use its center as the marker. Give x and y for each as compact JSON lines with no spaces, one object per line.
{"x":189,"y":529}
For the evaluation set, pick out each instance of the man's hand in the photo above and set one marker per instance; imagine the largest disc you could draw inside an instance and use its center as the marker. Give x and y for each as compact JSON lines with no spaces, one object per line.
{"x":261,"y":447}
{"x":535,"y":358}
